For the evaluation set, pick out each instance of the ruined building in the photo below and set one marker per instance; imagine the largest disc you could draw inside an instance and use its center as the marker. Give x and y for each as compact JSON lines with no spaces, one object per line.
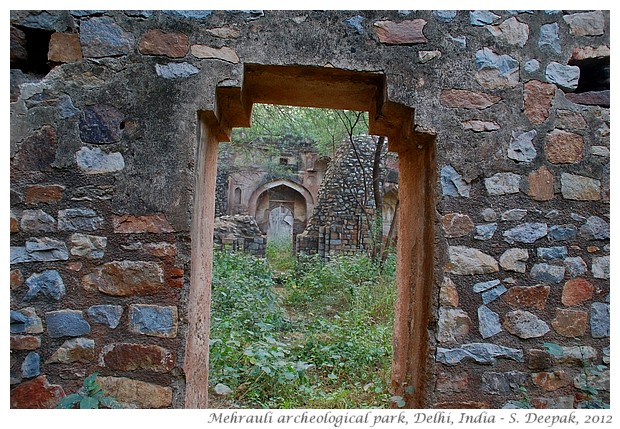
{"x":500,"y":120}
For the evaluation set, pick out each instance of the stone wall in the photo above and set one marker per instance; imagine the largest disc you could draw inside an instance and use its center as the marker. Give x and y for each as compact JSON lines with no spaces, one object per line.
{"x":104,"y":182}
{"x":344,"y":218}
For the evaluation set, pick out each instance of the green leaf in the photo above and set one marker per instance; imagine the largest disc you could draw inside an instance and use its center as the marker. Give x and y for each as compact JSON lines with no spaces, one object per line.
{"x":409,"y":390}
{"x":398,"y":400}
{"x":108,"y":401}
{"x":89,"y":381}
{"x":69,"y":401}
{"x":89,"y":403}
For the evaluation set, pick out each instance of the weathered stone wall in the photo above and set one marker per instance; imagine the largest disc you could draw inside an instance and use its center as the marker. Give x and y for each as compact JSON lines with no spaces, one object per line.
{"x":239,"y":233}
{"x":344,"y":218}
{"x":103,"y":168}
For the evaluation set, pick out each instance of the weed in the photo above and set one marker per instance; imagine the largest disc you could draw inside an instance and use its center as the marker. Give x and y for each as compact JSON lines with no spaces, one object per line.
{"x":89,"y":396}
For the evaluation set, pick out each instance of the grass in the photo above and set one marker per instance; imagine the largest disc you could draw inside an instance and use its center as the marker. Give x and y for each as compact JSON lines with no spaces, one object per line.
{"x":320,"y":338}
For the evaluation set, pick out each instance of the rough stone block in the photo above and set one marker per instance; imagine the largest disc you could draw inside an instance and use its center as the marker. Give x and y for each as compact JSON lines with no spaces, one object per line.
{"x":460,"y":98}
{"x":94,"y":161}
{"x":131,"y":357}
{"x":511,"y":32}
{"x":31,"y":367}
{"x":36,"y":194}
{"x":564,"y":76}
{"x":502,"y":383}
{"x":549,"y":38}
{"x":64,"y":48}
{"x":600,"y":267}
{"x":526,"y":233}
{"x":541,"y":184}
{"x":175,"y":70}
{"x":452,"y":184}
{"x":126,"y":278}
{"x":496,"y":71}
{"x":105,"y":314}
{"x":129,"y":224}
{"x":37,"y":221}
{"x":599,"y":320}
{"x":566,"y":232}
{"x":36,"y":393}
{"x":158,"y":42}
{"x":46,"y":249}
{"x":577,"y":291}
{"x":80,"y":350}
{"x":453,"y":325}
{"x":153,"y":320}
{"x":524,"y":324}
{"x":595,"y":228}
{"x":570,"y":323}
{"x":469,"y":261}
{"x":207,"y":52}
{"x":99,"y":124}
{"x":480,"y":18}
{"x":586,"y":23}
{"x":527,"y":296}
{"x":575,"y":266}
{"x":503,"y":183}
{"x":47,"y":283}
{"x":483,"y":353}
{"x":135,"y":393}
{"x":457,"y":225}
{"x":488,"y":322}
{"x":537,"y":99}
{"x":562,"y":147}
{"x":26,"y":321}
{"x":547,"y":273}
{"x":485,"y":231}
{"x":407,"y":32}
{"x":551,"y":253}
{"x":551,"y":381}
{"x":521,"y":148}
{"x":88,"y":246}
{"x":25,"y":342}
{"x":66,"y":323}
{"x":102,"y":37}
{"x":79,"y":219}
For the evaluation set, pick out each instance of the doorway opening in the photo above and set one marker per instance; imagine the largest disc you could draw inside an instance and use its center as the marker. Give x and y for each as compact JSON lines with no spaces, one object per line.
{"x":337,"y":89}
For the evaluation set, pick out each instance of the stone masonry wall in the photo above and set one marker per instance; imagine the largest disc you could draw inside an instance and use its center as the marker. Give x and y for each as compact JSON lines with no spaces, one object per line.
{"x":103,"y":143}
{"x":343,"y":218}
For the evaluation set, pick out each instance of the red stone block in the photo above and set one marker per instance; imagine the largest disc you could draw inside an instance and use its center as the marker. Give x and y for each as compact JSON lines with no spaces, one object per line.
{"x":563,"y":147}
{"x":25,"y":342}
{"x":537,"y":98}
{"x":64,"y":48}
{"x":457,"y":225}
{"x":400,"y":33}
{"x":36,"y":393}
{"x":460,"y":98}
{"x":524,"y":296}
{"x":17,"y":279}
{"x":130,"y":357}
{"x":540,"y":184}
{"x":576,"y":291}
{"x":551,"y":381}
{"x":43,"y":194}
{"x":129,"y":224}
{"x":157,"y":42}
{"x":570,"y":323}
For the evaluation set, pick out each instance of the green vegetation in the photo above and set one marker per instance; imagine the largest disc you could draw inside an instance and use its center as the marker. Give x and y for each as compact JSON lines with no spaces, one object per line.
{"x":321,"y":337}
{"x":89,"y":396}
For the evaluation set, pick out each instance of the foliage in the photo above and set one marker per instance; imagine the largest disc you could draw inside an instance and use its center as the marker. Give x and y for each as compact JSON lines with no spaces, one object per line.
{"x":89,"y":396}
{"x":326,"y":128}
{"x":280,"y":254}
{"x":321,"y":340}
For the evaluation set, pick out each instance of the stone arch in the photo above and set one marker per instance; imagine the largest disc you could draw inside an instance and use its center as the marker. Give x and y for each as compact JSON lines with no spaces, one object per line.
{"x":305,"y":193}
{"x":325,"y":87}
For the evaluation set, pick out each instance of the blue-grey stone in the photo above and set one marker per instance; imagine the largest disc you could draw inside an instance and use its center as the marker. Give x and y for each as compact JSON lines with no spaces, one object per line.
{"x":599,"y":320}
{"x":459,"y":40}
{"x":524,"y":324}
{"x":48,"y":283}
{"x":484,"y":353}
{"x":79,"y":219}
{"x":139,"y":13}
{"x":485,"y":231}
{"x":83,"y":13}
{"x":565,"y":76}
{"x":489,"y":214}
{"x":405,"y":12}
{"x":19,"y":255}
{"x":575,"y":266}
{"x":551,"y":253}
{"x":47,"y":249}
{"x":503,"y":383}
{"x":546,"y":273}
{"x":190,"y":14}
{"x":37,"y":221}
{"x":551,"y":214}
{"x":153,"y":320}
{"x":531,"y":66}
{"x":502,"y":184}
{"x":492,"y":294}
{"x":482,"y":286}
{"x":577,"y":217}
{"x":606,"y":355}
{"x":88,"y":246}
{"x":517,"y":12}
{"x":102,"y":37}
{"x":488,"y":322}
{"x":65,"y":107}
{"x":552,"y":12}
{"x":355,"y":22}
{"x":487,"y":59}
{"x":66,"y":323}
{"x":109,"y":315}
{"x":94,"y":161}
{"x":31,"y":367}
{"x":595,"y":228}
{"x":562,"y":232}
{"x":452,"y":184}
{"x":175,"y":70}
{"x":100,"y":124}
{"x":57,"y":21}
{"x":444,"y":15}
{"x":480,"y":18}
{"x":600,"y":267}
{"x":514,"y":214}
{"x":521,"y":148}
{"x":549,"y":38}
{"x":526,"y":233}
{"x":25,"y":321}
